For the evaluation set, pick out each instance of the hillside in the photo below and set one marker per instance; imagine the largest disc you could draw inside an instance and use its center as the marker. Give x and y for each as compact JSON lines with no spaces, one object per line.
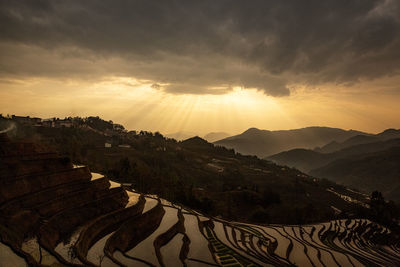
{"x":352,"y":141}
{"x":369,"y":166}
{"x":389,"y":134}
{"x":263,"y":143}
{"x":210,"y":137}
{"x":302,"y":159}
{"x":180,"y":135}
{"x":212,"y":179}
{"x":373,"y":171}
{"x":359,"y":139}
{"x":56,"y":214}
{"x":307,"y":160}
{"x":215,"y":136}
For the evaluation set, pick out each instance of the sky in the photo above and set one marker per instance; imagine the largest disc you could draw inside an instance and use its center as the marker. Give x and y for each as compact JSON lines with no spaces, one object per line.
{"x":204,"y":66}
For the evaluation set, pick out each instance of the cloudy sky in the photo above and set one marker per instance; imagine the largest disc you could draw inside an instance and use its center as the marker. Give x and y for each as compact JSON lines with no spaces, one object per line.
{"x":204,"y":66}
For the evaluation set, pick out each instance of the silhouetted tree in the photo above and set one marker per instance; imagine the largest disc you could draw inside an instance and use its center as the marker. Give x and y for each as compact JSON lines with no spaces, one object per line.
{"x":382,"y":211}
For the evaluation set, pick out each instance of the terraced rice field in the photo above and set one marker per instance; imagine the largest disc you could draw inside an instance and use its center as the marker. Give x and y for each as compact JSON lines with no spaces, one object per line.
{"x":66,"y":216}
{"x":173,"y":236}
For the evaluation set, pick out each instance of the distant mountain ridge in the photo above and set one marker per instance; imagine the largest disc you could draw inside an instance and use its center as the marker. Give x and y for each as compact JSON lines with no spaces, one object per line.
{"x":373,"y":171}
{"x":360,"y":139}
{"x":355,"y":140}
{"x":364,"y":162}
{"x":264,"y":143}
{"x":307,"y":160}
{"x":210,"y":137}
{"x":215,"y":136}
{"x":182,"y":135}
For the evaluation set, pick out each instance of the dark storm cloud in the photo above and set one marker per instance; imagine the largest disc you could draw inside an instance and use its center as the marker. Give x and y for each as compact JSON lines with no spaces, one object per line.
{"x":203,"y":46}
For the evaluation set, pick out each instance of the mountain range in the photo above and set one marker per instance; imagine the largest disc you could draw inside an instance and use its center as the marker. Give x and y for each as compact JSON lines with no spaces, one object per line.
{"x":181,"y":135}
{"x":210,"y":137}
{"x":215,"y":136}
{"x":264,"y":143}
{"x":359,"y":139}
{"x":365,"y":162}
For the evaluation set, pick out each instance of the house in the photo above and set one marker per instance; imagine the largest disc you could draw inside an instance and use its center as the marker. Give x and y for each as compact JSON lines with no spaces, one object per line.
{"x":48,"y":123}
{"x":63,"y":123}
{"x":26,"y":120}
{"x":124,"y":146}
{"x":107,"y":145}
{"x":36,"y":120}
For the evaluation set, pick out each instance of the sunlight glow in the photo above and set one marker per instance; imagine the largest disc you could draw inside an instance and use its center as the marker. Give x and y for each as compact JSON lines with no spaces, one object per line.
{"x":140,"y":106}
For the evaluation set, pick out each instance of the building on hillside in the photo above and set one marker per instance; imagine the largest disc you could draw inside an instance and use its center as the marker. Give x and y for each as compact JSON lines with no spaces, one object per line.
{"x":26,"y":120}
{"x":48,"y":122}
{"x":63,"y":123}
{"x":124,"y":146}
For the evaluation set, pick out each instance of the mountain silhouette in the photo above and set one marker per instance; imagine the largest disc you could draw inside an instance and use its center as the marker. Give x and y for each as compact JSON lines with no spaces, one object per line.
{"x":182,"y":135}
{"x":366,"y":166}
{"x":215,"y":136}
{"x":359,"y":139}
{"x":368,"y":172}
{"x":307,"y":159}
{"x":264,"y":143}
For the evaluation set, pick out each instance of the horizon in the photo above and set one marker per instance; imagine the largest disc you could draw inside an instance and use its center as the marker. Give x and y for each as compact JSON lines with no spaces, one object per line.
{"x":202,"y":135}
{"x":195,"y":120}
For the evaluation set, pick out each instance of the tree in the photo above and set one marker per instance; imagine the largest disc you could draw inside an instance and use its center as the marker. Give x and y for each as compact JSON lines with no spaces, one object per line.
{"x":270,"y":197}
{"x":377,"y":204}
{"x":382,"y":211}
{"x":260,"y":215}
